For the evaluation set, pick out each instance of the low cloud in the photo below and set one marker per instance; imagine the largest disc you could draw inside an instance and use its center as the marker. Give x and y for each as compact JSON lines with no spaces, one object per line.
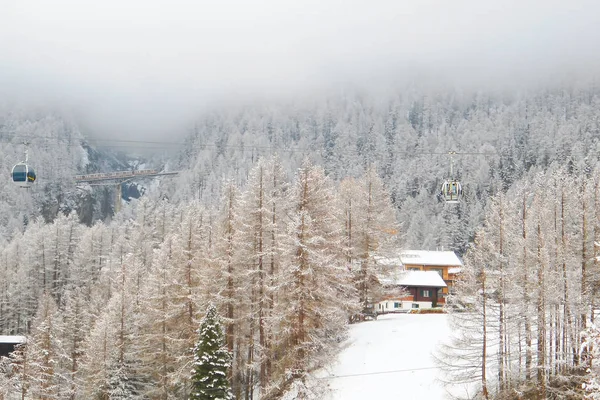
{"x":144,"y":69}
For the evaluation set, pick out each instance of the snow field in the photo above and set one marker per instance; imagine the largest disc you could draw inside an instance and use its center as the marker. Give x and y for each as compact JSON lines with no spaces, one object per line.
{"x":389,"y":358}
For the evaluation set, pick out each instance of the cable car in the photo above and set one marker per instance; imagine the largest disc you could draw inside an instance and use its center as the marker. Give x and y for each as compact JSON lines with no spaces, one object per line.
{"x":451,"y":188}
{"x":22,"y":174}
{"x":451,"y":191}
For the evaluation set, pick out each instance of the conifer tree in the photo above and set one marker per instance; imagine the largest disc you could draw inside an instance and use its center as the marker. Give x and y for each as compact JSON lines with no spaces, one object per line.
{"x":112,"y":365}
{"x":211,"y":361}
{"x":375,"y":232}
{"x":44,"y":345}
{"x":262,"y":228}
{"x":318,"y":294}
{"x":76,"y":323}
{"x":370,"y":229}
{"x":232,"y":293}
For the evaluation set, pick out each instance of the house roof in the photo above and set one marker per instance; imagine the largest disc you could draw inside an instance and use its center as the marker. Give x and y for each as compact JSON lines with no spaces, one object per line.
{"x":416,"y":278}
{"x":426,"y":257}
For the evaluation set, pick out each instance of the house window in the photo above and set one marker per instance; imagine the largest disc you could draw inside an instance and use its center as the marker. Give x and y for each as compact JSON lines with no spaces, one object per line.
{"x":439,"y":271}
{"x":415,"y":305}
{"x":425,"y":293}
{"x":397,"y":305}
{"x":414,"y":269}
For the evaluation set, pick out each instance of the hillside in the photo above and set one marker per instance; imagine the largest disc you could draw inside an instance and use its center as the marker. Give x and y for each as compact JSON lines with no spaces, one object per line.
{"x":500,"y":137}
{"x":406,"y":133}
{"x":276,"y":218}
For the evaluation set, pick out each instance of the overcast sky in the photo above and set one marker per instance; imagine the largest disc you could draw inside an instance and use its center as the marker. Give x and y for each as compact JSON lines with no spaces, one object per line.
{"x":145,"y":67}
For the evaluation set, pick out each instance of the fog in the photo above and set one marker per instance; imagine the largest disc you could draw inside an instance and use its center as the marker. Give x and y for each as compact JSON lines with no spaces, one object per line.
{"x":143,"y":69}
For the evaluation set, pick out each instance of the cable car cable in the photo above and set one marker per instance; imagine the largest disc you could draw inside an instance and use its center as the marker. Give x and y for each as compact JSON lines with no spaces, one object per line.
{"x":386,"y":372}
{"x":125,"y":142}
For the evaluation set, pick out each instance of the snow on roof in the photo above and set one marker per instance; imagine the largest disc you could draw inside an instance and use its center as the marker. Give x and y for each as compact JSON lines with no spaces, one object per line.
{"x":417,"y":278}
{"x":426,"y":257}
{"x":12,"y":339}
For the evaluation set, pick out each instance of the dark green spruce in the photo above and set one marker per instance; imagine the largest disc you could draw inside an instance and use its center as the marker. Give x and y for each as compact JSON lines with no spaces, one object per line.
{"x":211,"y":361}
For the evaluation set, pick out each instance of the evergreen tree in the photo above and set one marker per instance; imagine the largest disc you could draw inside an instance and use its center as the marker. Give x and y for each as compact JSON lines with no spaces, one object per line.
{"x":211,"y":361}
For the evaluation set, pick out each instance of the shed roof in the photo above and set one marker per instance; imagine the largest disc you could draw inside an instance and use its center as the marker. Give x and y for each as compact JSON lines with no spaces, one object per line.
{"x":426,"y":257}
{"x":13,"y":339}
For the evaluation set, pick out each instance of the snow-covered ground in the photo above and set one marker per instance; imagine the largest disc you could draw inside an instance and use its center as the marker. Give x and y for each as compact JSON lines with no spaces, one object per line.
{"x":390,"y":358}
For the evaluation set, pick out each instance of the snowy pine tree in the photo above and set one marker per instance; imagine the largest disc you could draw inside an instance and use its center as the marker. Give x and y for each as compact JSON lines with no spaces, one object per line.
{"x":211,"y":361}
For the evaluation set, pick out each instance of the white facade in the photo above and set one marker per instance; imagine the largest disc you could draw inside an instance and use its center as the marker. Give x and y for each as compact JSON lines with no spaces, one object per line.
{"x":401,"y":306}
{"x":429,"y":280}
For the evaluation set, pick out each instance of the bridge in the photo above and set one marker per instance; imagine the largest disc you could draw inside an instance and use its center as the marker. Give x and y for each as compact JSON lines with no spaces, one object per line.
{"x":121,"y":175}
{"x":118,"y":178}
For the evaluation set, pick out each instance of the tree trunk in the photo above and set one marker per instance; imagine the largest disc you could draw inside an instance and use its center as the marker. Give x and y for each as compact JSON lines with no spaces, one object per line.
{"x":300,"y":334}
{"x":541,"y":323}
{"x":526,"y":300}
{"x":484,"y":389}
{"x":262,"y":336}
{"x":584,"y":284}
{"x":501,"y":299}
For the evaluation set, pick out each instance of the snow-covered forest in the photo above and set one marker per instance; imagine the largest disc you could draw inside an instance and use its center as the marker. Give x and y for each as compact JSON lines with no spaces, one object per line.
{"x":111,"y":310}
{"x":530,"y":287}
{"x":275,"y":218}
{"x":407,"y":134}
